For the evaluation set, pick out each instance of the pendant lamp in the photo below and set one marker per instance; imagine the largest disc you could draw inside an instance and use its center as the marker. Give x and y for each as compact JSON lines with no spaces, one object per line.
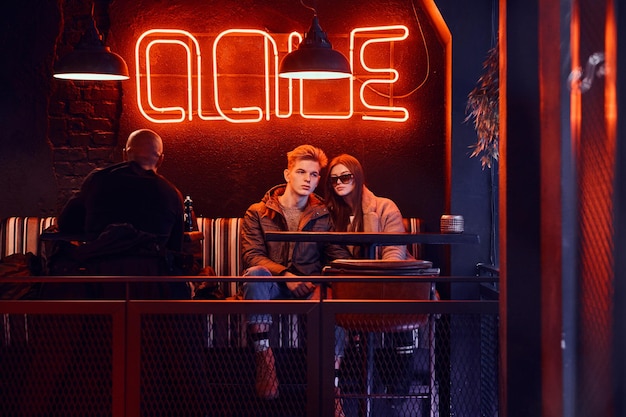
{"x":315,"y":59}
{"x":91,"y":59}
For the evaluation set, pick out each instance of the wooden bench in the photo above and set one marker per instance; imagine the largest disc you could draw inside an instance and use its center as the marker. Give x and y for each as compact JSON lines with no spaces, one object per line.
{"x":220,"y":247}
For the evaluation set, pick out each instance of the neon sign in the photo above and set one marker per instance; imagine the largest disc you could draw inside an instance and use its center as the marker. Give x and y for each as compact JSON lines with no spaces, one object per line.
{"x":274,"y":91}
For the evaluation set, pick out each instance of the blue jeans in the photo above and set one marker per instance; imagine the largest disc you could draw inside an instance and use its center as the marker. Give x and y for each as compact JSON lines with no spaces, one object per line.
{"x":263,"y":289}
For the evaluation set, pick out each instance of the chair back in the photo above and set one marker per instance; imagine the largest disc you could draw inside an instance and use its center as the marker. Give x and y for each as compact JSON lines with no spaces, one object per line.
{"x":407,"y":291}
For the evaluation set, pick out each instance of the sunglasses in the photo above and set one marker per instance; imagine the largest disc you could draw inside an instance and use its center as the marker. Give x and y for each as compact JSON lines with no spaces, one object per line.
{"x":345,"y":179}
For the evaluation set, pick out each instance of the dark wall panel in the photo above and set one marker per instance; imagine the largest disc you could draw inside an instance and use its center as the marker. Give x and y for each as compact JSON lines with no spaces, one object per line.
{"x":226,"y":166}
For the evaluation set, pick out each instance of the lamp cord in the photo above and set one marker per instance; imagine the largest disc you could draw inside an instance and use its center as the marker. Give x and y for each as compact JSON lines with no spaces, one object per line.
{"x":309,"y":7}
{"x":426,"y":76}
{"x":420,"y":85}
{"x":99,"y":34}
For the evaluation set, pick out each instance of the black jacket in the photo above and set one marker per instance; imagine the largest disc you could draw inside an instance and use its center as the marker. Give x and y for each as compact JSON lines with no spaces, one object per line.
{"x":126,"y":193}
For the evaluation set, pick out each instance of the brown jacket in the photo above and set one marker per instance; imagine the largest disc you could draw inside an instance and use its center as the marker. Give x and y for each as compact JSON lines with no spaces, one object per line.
{"x":266,"y":216}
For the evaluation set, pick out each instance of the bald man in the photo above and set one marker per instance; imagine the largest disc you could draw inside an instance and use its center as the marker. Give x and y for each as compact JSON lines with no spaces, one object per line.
{"x":144,"y":147}
{"x":130,"y":192}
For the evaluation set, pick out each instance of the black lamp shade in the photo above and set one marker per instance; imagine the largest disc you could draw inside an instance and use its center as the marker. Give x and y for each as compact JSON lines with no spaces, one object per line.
{"x":92,"y":64}
{"x":315,"y":58}
{"x":91,"y":60}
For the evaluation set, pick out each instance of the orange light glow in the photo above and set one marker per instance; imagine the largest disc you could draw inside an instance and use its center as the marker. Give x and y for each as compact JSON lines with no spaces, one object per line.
{"x":321,"y":115}
{"x":166,"y":110}
{"x":266,"y":40}
{"x":249,"y":113}
{"x":290,"y":43}
{"x":404,"y":113}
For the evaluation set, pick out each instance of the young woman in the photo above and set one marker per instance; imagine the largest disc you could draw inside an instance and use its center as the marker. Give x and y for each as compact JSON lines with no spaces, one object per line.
{"x":354,"y":208}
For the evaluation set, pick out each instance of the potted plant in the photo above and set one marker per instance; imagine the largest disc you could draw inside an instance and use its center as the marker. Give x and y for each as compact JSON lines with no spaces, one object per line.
{"x":482,"y":110}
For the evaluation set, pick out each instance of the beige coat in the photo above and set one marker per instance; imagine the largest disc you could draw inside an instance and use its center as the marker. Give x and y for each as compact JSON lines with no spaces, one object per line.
{"x":382,"y":215}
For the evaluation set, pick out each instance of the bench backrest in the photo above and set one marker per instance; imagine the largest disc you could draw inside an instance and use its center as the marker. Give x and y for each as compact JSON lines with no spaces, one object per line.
{"x":221,"y":242}
{"x":21,"y":234}
{"x":220,"y":246}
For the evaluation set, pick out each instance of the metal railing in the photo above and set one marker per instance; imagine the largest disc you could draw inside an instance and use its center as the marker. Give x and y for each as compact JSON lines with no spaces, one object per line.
{"x":192,"y":357}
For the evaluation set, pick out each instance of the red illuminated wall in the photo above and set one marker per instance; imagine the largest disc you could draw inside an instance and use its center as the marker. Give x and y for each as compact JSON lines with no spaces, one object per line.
{"x":226,"y":166}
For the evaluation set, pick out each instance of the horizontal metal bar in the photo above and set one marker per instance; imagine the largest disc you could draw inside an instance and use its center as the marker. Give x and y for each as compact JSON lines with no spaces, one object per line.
{"x":376,"y":239}
{"x":247,"y":307}
{"x":229,"y":278}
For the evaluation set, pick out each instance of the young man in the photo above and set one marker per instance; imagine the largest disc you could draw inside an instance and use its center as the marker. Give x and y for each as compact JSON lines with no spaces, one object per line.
{"x":288,"y":207}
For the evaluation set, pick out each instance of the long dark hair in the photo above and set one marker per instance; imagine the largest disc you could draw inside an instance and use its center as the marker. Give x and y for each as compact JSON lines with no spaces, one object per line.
{"x":340,"y":211}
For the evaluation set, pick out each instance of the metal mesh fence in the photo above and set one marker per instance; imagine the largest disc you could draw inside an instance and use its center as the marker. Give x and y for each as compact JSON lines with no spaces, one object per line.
{"x":204,"y":365}
{"x":187,"y":362}
{"x":388,"y":372}
{"x":595,"y":165}
{"x":56,"y":365}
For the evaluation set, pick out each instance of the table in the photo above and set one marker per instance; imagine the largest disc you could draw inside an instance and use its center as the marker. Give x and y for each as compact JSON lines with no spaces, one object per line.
{"x":372,"y":240}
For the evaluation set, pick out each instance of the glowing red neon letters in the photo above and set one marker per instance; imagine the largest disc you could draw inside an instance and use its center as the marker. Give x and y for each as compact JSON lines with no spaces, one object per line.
{"x":253,"y":114}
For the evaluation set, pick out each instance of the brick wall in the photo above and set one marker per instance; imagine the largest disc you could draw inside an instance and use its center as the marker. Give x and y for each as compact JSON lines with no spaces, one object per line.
{"x":83,"y":116}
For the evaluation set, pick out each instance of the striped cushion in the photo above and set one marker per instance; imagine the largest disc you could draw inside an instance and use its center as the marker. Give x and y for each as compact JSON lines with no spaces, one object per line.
{"x":21,"y":234}
{"x":220,"y":247}
{"x":413,"y":225}
{"x":226,"y":252}
{"x":205,"y":225}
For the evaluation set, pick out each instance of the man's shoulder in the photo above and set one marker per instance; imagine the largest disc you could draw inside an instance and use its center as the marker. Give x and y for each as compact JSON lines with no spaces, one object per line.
{"x":114,"y":168}
{"x":119,"y":172}
{"x":171,"y":189}
{"x":270,"y":199}
{"x":257,"y":208}
{"x":316,"y":201}
{"x":105,"y":171}
{"x":316,"y":207}
{"x":100,"y":176}
{"x":168,"y":183}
